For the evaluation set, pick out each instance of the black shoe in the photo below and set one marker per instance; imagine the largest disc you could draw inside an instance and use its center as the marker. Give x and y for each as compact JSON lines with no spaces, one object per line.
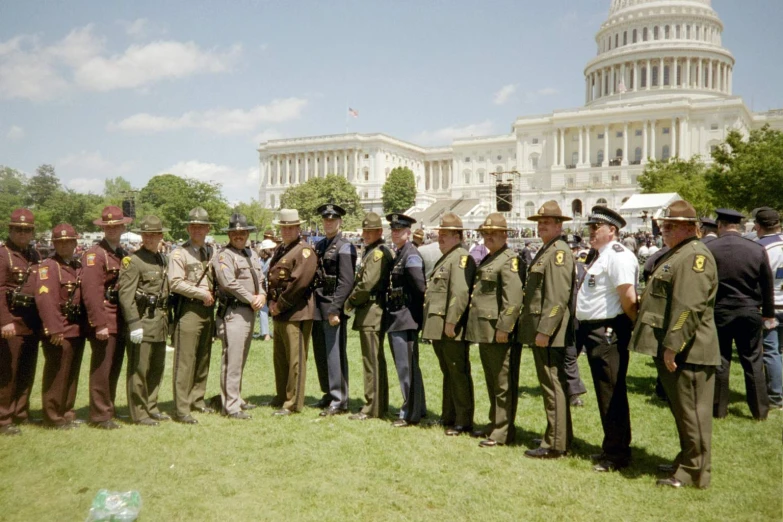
{"x":160,"y":417}
{"x":479,"y":434}
{"x":240,"y":415}
{"x":273,"y":404}
{"x":400,"y":423}
{"x":332,"y":410}
{"x":205,"y":409}
{"x":489,"y":443}
{"x":537,"y":441}
{"x":10,"y":429}
{"x":669,"y":481}
{"x":187,"y":419}
{"x":457,"y":430}
{"x":666,"y":468}
{"x":597,"y":457}
{"x":544,"y":453}
{"x":282,"y":412}
{"x":576,"y":402}
{"x":605,"y":465}
{"x":147,"y":422}
{"x":359,"y":416}
{"x":248,"y":406}
{"x":322,"y":404}
{"x":105,"y":425}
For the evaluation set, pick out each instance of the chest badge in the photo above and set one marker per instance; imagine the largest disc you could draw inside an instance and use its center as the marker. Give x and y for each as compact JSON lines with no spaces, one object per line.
{"x":591,"y":282}
{"x":90,"y":259}
{"x":43,"y":273}
{"x":698,"y":263}
{"x":306,"y":253}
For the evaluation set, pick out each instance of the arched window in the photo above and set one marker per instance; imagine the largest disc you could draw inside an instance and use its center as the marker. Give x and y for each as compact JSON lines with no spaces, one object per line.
{"x":633,"y":38}
{"x":655,"y":32}
{"x":637,"y":155}
{"x":617,"y":40}
{"x":480,"y":176}
{"x":618,"y":153}
{"x":600,"y":157}
{"x":534,"y":161}
{"x":666,"y":75}
{"x":666,"y":34}
{"x":530,"y":209}
{"x":466,"y":172}
{"x":576,"y":207}
{"x":665,"y":153}
{"x":687,"y":32}
{"x":696,"y":30}
{"x":654,"y":82}
{"x":677,"y":31}
{"x":608,"y":43}
{"x":366,"y":174}
{"x":644,"y":34}
{"x":601,"y":201}
{"x":625,"y":37}
{"x":633,"y":77}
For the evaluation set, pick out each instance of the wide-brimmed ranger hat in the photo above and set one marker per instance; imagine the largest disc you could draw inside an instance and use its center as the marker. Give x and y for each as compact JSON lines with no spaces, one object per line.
{"x":198,"y":216}
{"x":267,"y":244}
{"x":600,"y":214}
{"x":372,"y":221}
{"x":22,"y":218}
{"x":679,"y":210}
{"x":63,"y":232}
{"x":151,"y":225}
{"x":550,"y":209}
{"x":238,"y":223}
{"x":112,"y":215}
{"x":288,"y":217}
{"x":450,"y":221}
{"x":494,"y":221}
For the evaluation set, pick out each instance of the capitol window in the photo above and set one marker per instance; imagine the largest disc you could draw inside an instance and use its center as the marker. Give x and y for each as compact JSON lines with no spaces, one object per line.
{"x":534,"y":141}
{"x":633,"y":39}
{"x":500,"y":158}
{"x":655,"y":32}
{"x":687,"y":32}
{"x":601,"y":201}
{"x":713,"y":126}
{"x":638,"y":132}
{"x":481,"y":176}
{"x":644,"y":34}
{"x":654,"y":82}
{"x":665,"y":153}
{"x":625,"y":37}
{"x":467,"y":159}
{"x":616,"y":40}
{"x":637,"y":155}
{"x":530,"y":209}
{"x":600,"y":135}
{"x":618,"y":134}
{"x":665,"y":130}
{"x":666,"y":33}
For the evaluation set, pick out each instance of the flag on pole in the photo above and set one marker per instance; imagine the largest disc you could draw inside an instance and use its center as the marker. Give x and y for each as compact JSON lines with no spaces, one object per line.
{"x":353,"y":113}
{"x":621,"y":88}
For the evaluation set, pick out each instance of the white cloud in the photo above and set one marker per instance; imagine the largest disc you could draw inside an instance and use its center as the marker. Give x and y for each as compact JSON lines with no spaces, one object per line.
{"x":447,"y":134}
{"x":222,"y":121}
{"x":237,"y":184}
{"x":137,"y":28}
{"x":85,"y":185}
{"x":267,"y":135}
{"x":92,"y":162}
{"x":31,"y":70}
{"x":15,"y":133}
{"x":547,"y":91}
{"x":504,"y":94}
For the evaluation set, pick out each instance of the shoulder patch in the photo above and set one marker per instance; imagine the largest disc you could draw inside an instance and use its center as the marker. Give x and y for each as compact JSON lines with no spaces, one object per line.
{"x":617,"y":247}
{"x":515,"y":264}
{"x":306,"y":253}
{"x":126,"y":261}
{"x":43,"y":272}
{"x":377,"y":255}
{"x":221,"y":258}
{"x":414,"y":261}
{"x":560,"y":258}
{"x":90,"y":259}
{"x":463,"y":262}
{"x":698,"y":263}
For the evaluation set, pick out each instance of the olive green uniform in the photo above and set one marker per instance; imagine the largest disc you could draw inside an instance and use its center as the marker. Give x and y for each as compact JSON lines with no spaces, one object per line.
{"x":446,"y":301}
{"x":497,"y":293}
{"x":546,"y":310}
{"x":191,"y":278}
{"x":676,"y":312}
{"x":143,"y":293}
{"x":367,"y":302}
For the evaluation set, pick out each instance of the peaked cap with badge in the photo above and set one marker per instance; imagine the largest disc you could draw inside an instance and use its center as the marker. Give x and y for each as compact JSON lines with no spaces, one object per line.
{"x":372,"y":221}
{"x":550,"y":209}
{"x":22,"y":218}
{"x":679,"y":210}
{"x":494,"y":221}
{"x":331,"y":211}
{"x":198,"y":216}
{"x":151,"y":225}
{"x":238,"y":222}
{"x":398,"y":220}
{"x":289,"y":217}
{"x":112,"y":215}
{"x":63,"y":232}
{"x":729,"y":215}
{"x":450,"y":221}
{"x":708,"y":222}
{"x":600,"y":214}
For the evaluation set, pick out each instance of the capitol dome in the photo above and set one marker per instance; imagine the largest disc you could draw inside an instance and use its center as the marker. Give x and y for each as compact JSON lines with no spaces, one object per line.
{"x":658,"y":48}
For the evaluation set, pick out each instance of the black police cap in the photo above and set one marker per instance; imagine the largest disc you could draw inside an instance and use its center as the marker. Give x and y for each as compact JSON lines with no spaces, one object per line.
{"x":728,"y":215}
{"x":330,"y":210}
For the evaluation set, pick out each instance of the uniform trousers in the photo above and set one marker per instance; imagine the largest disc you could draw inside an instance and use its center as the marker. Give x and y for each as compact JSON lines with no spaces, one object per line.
{"x":60,"y":379}
{"x":192,"y":351}
{"x":608,"y":356}
{"x":405,"y":351}
{"x":146,"y":362}
{"x":235,"y":330}
{"x":18,"y":359}
{"x":106,"y":361}
{"x":743,"y":327}
{"x":550,"y":368}
{"x":292,"y":339}
{"x":690,"y":389}
{"x":376,"y":380}
{"x":458,"y":397}
{"x":575,"y":385}
{"x":501,"y":371}
{"x":331,"y":361}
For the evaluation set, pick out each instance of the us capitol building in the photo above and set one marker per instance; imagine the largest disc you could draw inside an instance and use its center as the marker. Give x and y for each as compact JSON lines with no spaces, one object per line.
{"x":660,"y":86}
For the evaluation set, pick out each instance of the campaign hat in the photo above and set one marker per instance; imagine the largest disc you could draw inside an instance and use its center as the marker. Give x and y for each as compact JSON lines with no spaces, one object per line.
{"x":198,"y":216}
{"x":289,"y":217}
{"x":112,"y":215}
{"x":679,"y":210}
{"x":151,"y":225}
{"x":64,"y":231}
{"x":372,"y":221}
{"x":494,"y":221}
{"x":550,"y":209}
{"x":22,"y":218}
{"x":602,"y":214}
{"x":450,"y":221}
{"x":267,"y":244}
{"x":238,"y":222}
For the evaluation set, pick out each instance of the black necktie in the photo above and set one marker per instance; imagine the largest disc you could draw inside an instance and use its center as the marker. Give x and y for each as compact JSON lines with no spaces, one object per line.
{"x":202,"y":252}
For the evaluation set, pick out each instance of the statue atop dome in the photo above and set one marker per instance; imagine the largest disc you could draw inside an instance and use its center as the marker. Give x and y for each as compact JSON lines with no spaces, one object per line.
{"x":618,"y":5}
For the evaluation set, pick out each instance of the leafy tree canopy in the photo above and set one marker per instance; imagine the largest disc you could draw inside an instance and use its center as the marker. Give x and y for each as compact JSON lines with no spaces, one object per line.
{"x":685,"y":177}
{"x":256,"y":215}
{"x":399,"y":191}
{"x":13,"y":193}
{"x":307,"y":197}
{"x":42,"y":186}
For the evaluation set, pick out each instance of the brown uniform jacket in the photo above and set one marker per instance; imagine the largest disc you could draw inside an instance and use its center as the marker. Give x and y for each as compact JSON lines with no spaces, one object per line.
{"x":57,"y":284}
{"x":290,"y":277}
{"x":100,"y":275}
{"x":448,"y":294}
{"x":14,"y":264}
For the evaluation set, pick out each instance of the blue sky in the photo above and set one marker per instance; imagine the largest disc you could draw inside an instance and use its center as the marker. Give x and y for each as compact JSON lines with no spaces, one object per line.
{"x":135,"y":89}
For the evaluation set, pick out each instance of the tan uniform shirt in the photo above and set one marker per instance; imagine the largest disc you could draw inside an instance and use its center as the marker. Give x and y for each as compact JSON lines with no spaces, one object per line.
{"x":233,"y":269}
{"x":185,"y":270}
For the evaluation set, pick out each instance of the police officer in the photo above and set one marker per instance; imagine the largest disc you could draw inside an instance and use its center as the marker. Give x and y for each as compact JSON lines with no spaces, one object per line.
{"x":746,"y":285}
{"x":403,"y":318}
{"x":144,"y":292}
{"x":606,"y":310}
{"x":545,"y":325}
{"x":241,"y":296}
{"x":494,"y":309}
{"x":292,"y":306}
{"x":106,"y":330}
{"x":677,"y":328}
{"x":192,"y":283}
{"x":19,"y":321}
{"x":709,"y":230}
{"x":58,"y":298}
{"x":445,"y":316}
{"x":367,"y":302}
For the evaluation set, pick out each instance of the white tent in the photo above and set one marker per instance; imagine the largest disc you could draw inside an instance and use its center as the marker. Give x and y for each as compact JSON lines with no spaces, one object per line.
{"x":642,"y":207}
{"x":130,"y":237}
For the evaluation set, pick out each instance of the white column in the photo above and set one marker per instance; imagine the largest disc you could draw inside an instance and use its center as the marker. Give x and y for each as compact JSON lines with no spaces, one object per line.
{"x":296,"y":169}
{"x":580,"y":160}
{"x":644,"y":142}
{"x":606,"y":146}
{"x":345,"y":164}
{"x":649,"y":76}
{"x":588,"y":160}
{"x":562,"y":148}
{"x":622,"y":75}
{"x":660,"y":75}
{"x":709,"y":74}
{"x":554,"y":147}
{"x":673,"y":134}
{"x":636,"y":75}
{"x":731,"y":76}
{"x":587,"y":89}
{"x":625,"y":144}
{"x":613,"y":80}
{"x":652,"y":139}
{"x":688,"y":72}
{"x":354,"y":175}
{"x":700,"y":83}
{"x":684,"y":153}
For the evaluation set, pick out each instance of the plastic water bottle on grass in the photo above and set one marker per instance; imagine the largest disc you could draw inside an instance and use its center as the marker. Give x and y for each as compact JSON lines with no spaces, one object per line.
{"x":115,"y":506}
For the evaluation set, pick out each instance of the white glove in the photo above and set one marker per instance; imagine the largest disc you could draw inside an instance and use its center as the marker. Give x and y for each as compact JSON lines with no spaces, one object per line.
{"x":137,"y":335}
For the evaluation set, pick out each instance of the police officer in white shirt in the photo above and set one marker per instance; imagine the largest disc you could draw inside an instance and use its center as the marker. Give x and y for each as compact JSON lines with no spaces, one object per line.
{"x":606,"y":310}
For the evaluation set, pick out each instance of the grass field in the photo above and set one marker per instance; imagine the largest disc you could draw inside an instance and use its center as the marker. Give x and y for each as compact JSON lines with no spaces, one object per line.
{"x":305,"y":467}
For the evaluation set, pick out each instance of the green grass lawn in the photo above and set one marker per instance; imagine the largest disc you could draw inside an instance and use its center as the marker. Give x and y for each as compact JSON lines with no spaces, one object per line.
{"x":305,"y":467}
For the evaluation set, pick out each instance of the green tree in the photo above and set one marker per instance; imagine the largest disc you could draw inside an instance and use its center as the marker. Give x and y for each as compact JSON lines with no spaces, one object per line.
{"x":307,"y":197}
{"x":399,"y":191}
{"x":42,"y":186}
{"x":747,"y":174}
{"x":115,"y":190}
{"x":685,"y":177}
{"x":74,"y":208}
{"x":13,"y":193}
{"x":256,"y":215}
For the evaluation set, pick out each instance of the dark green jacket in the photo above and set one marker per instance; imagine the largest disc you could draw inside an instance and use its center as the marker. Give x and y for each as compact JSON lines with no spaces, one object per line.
{"x":368,"y":294}
{"x":143,"y":274}
{"x":448,"y":293}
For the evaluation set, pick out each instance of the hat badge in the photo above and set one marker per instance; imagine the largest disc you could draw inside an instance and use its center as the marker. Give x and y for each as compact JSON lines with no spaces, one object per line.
{"x":62,"y":232}
{"x":109,"y":215}
{"x":329,"y":208}
{"x":395,"y":218}
{"x":21,"y":218}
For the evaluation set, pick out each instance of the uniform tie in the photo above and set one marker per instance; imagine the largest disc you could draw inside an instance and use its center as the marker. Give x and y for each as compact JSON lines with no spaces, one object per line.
{"x":202,"y":252}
